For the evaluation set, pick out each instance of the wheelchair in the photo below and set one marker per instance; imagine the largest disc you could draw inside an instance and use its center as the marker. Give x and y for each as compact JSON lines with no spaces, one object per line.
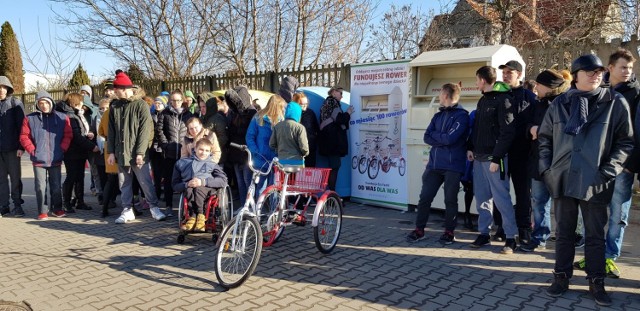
{"x":218,"y":211}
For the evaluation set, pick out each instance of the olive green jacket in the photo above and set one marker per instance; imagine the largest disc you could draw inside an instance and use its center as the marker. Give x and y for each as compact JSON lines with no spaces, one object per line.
{"x":130,"y":130}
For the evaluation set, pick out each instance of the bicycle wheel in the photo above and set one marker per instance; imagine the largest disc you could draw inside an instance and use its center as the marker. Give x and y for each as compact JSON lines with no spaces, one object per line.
{"x":402,"y":167}
{"x":225,"y":204}
{"x":374,"y":168}
{"x":270,"y":216}
{"x":327,"y":232}
{"x":362,"y":164}
{"x":354,"y":162}
{"x":237,"y":257}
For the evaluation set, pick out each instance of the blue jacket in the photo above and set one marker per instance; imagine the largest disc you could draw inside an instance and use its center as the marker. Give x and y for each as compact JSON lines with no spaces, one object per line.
{"x":46,"y":137}
{"x":447,"y":134}
{"x":11,"y":116}
{"x":258,"y":137}
{"x":188,"y":168}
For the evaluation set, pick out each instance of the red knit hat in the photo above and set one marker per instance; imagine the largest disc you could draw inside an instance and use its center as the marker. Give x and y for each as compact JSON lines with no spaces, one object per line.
{"x":122,"y":80}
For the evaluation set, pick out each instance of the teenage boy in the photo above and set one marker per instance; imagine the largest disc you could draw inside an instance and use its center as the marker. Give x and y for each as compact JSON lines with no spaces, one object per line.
{"x":128,"y":141}
{"x":492,"y":134}
{"x":585,"y":138}
{"x":447,"y":134}
{"x":523,"y":103}
{"x":46,"y":136}
{"x":620,"y":77}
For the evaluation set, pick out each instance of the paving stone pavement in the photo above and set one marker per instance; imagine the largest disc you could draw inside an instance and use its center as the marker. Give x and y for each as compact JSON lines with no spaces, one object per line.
{"x":85,"y":263}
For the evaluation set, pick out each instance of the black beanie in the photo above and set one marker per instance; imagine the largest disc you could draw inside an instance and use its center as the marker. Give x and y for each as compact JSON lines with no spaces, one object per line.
{"x":550,"y":79}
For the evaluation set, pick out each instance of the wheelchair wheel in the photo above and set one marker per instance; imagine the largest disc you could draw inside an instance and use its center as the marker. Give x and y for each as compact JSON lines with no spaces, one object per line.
{"x":225,"y":206}
{"x":327,"y":232}
{"x":237,"y":257}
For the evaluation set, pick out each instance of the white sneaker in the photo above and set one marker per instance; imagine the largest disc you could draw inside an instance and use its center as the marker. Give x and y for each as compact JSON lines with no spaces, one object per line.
{"x":157,"y":214}
{"x":126,"y":216}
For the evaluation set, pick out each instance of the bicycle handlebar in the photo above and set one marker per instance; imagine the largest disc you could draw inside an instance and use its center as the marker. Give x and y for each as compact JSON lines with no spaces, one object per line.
{"x":250,"y":160}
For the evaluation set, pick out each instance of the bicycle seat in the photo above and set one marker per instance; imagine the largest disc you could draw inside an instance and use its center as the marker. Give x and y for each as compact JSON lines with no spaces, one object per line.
{"x":292,"y":168}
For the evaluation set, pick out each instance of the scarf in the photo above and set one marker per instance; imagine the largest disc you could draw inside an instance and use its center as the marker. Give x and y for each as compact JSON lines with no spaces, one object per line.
{"x":578,"y":109}
{"x":327,"y":108}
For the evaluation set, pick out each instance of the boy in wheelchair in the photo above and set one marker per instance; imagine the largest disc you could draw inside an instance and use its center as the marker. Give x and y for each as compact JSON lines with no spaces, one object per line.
{"x":198,"y":177}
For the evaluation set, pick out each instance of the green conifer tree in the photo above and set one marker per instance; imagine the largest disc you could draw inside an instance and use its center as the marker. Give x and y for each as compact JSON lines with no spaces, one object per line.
{"x":10,"y":58}
{"x":79,"y":78}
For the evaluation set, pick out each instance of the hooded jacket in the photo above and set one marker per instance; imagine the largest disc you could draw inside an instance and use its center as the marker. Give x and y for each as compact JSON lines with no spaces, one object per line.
{"x":81,"y":145}
{"x":631,"y":92}
{"x":494,"y":128}
{"x":46,"y":136}
{"x":240,"y":103}
{"x":584,"y":166}
{"x":288,"y":87}
{"x":289,"y":138}
{"x":188,"y":168}
{"x":447,"y":134}
{"x":130,"y":130}
{"x":11,"y":118}
{"x":171,"y":130}
{"x":258,"y":142}
{"x":216,"y":123}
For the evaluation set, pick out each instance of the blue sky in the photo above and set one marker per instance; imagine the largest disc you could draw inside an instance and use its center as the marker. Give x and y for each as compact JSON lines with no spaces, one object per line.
{"x":27,"y":16}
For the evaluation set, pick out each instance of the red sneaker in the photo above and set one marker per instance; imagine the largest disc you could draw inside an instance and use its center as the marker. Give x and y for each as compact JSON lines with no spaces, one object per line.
{"x":43,"y":216}
{"x":60,"y":213}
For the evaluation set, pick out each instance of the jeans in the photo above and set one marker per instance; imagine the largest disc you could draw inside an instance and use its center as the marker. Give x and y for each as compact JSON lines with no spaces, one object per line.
{"x":10,"y":170}
{"x":143,"y":175}
{"x":431,"y":182}
{"x":489,"y":187}
{"x":618,"y":214}
{"x":541,"y":205}
{"x":243,"y":176}
{"x":55,"y":191}
{"x":595,"y":218}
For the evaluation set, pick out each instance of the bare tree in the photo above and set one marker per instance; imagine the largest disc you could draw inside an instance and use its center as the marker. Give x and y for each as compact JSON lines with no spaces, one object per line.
{"x":399,"y":32}
{"x":630,"y":11}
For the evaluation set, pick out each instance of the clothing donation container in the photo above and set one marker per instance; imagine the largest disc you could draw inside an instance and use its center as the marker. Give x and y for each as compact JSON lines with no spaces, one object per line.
{"x":429,"y":72}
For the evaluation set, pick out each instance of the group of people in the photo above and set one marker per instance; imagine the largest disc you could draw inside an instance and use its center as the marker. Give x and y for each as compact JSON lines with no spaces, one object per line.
{"x":569,"y":144}
{"x":145,"y":149}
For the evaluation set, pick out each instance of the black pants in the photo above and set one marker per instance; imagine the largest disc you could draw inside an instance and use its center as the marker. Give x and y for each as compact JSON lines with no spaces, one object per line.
{"x":110,"y":190}
{"x":74,"y":180}
{"x":197,"y":197}
{"x":518,"y":171}
{"x":157,"y":169}
{"x":431,"y":181}
{"x":167,"y":170}
{"x":595,"y":218}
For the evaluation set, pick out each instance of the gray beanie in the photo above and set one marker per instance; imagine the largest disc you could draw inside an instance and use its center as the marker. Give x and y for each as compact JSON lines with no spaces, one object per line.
{"x":87,"y":89}
{"x":5,"y":81}
{"x":43,"y":95}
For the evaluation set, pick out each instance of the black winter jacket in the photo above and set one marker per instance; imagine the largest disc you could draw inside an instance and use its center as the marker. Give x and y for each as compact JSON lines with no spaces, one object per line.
{"x":584,"y":166}
{"x":493,"y":128}
{"x":524,"y":103}
{"x":239,"y":102}
{"x":81,"y":145}
{"x":310,"y":123}
{"x":170,"y":130}
{"x":11,"y":116}
{"x":538,"y":115}
{"x":631,"y":92}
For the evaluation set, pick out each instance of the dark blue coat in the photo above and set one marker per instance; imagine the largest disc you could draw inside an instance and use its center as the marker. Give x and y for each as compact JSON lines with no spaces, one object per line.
{"x":447,"y":134}
{"x":46,"y":137}
{"x":11,"y":116}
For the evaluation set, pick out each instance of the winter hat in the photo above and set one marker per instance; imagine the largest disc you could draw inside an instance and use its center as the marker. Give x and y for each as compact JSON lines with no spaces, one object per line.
{"x":44,"y":95}
{"x":550,"y":78}
{"x":190,"y":94}
{"x":5,"y":81}
{"x":163,"y":100}
{"x":108,"y":85}
{"x":165,"y":93}
{"x":122,"y":80}
{"x":87,"y":89}
{"x":293,"y":112}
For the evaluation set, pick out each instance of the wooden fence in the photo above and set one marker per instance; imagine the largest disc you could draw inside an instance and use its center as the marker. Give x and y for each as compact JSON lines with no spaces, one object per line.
{"x":536,"y":58}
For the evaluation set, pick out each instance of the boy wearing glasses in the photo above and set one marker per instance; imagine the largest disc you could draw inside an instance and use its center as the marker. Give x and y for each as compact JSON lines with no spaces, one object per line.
{"x":585,"y":139}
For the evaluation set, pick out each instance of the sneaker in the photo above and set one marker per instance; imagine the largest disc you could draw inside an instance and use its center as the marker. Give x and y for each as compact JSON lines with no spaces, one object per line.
{"x":596,"y":289}
{"x":43,"y":216}
{"x":533,"y":246}
{"x":18,"y":211}
{"x":68,"y":208}
{"x":559,"y":286}
{"x":579,"y":241}
{"x":168,"y":211}
{"x":415,"y":236}
{"x":5,"y":210}
{"x":157,"y":214}
{"x":500,"y":236}
{"x":509,"y":246}
{"x":481,"y":240}
{"x":83,"y":206}
{"x":580,"y":264}
{"x":126,"y":216}
{"x":447,"y":238}
{"x":611,"y":269}
{"x":189,"y":224}
{"x":59,"y":214}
